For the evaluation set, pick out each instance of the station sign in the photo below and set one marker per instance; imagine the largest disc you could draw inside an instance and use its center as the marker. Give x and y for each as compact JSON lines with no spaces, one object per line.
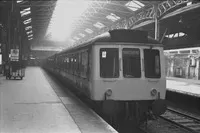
{"x":14,"y":54}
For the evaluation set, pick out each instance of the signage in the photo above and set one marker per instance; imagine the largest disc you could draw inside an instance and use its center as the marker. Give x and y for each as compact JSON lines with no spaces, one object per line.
{"x":14,"y":54}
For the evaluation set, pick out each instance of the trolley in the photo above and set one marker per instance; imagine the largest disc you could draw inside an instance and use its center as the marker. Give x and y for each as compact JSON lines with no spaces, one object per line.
{"x":16,"y":69}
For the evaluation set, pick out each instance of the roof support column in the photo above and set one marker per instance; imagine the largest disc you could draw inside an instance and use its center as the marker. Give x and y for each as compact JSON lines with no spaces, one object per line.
{"x":9,"y":7}
{"x":157,"y":24}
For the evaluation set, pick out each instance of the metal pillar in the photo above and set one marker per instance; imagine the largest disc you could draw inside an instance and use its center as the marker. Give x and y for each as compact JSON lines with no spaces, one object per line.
{"x":157,"y":25}
{"x":16,"y":28}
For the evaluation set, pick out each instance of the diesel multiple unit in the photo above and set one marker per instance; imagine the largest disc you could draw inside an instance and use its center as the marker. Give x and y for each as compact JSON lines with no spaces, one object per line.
{"x":122,"y":71}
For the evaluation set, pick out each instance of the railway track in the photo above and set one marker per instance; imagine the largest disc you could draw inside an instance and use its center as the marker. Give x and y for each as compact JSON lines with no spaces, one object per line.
{"x":183,"y":120}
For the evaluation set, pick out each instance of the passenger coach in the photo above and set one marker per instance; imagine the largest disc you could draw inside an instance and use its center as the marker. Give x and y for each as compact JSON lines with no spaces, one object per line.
{"x":123,"y":71}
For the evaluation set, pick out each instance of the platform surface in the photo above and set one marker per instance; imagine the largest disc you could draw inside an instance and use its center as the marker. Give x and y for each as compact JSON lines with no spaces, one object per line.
{"x":32,"y":106}
{"x":185,"y":86}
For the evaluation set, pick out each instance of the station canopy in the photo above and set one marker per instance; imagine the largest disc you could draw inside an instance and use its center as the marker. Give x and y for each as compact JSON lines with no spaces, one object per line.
{"x":71,"y":22}
{"x":74,"y":20}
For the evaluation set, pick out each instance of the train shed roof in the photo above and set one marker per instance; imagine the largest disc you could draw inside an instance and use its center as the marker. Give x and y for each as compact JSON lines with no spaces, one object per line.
{"x":98,"y":17}
{"x":103,"y":15}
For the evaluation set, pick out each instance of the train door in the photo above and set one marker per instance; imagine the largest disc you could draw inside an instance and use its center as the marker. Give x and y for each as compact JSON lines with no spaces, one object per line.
{"x":154,"y":71}
{"x":131,"y":86}
{"x":106,"y":69}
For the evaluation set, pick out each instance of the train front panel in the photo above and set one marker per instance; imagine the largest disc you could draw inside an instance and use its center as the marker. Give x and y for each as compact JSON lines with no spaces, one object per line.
{"x":128,"y":72}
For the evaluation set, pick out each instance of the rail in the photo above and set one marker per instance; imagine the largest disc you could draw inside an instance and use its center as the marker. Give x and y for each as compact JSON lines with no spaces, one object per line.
{"x":184,"y":120}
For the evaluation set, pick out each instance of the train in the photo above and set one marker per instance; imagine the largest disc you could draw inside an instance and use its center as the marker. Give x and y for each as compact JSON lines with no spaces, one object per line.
{"x":122,"y":71}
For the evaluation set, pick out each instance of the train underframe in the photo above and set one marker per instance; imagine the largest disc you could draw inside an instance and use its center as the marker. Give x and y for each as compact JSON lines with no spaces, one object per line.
{"x":137,"y":111}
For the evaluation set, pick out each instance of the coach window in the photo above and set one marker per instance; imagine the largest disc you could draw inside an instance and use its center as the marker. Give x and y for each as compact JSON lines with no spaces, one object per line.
{"x":131,"y":63}
{"x":152,"y":63}
{"x":79,"y":64}
{"x":63,"y":63}
{"x":109,"y":62}
{"x":84,"y":64}
{"x":72,"y":64}
{"x":75,"y":64}
{"x":68,"y":63}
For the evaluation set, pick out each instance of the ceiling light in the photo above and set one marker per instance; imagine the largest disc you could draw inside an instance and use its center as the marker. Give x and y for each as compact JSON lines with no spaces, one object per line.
{"x":189,"y":3}
{"x":175,"y":35}
{"x":134,"y":5}
{"x":88,"y":31}
{"x":25,"y":10}
{"x":19,"y":1}
{"x":181,"y":34}
{"x":27,"y":21}
{"x":113,"y":17}
{"x":82,"y":35}
{"x":99,"y":25}
{"x":30,"y":35}
{"x":30,"y":38}
{"x":170,"y":36}
{"x":139,"y":3}
{"x":29,"y":32}
{"x":25,"y":13}
{"x":28,"y":27}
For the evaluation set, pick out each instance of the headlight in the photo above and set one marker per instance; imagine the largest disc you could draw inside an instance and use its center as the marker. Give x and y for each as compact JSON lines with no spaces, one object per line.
{"x":154,"y":92}
{"x":108,"y":92}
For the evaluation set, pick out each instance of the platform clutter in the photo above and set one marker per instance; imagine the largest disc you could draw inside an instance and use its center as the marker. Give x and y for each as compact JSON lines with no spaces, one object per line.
{"x":15,"y":67}
{"x":122,"y":71}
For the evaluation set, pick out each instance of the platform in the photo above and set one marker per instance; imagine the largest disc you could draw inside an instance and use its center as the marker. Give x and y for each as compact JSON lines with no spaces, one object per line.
{"x":31,"y":105}
{"x":184,"y":86}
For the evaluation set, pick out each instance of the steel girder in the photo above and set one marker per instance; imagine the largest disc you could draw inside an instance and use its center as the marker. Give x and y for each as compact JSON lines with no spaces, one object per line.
{"x":97,"y":12}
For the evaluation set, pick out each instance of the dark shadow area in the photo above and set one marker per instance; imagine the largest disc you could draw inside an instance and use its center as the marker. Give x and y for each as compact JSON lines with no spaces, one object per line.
{"x":184,"y":102}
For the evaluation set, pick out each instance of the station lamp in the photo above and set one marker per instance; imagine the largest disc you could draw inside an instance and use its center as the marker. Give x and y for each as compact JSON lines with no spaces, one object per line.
{"x":30,"y":35}
{"x":19,"y":1}
{"x":88,"y":31}
{"x":99,"y":25}
{"x":28,"y":27}
{"x":27,"y":21}
{"x":29,"y":32}
{"x":30,"y":39}
{"x":25,"y":11}
{"x":113,"y":17}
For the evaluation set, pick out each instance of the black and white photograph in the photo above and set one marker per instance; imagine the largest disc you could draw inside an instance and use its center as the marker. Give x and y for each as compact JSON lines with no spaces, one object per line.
{"x":99,"y":66}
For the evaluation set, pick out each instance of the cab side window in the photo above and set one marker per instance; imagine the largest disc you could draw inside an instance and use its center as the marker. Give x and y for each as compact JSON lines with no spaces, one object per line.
{"x":109,"y":62}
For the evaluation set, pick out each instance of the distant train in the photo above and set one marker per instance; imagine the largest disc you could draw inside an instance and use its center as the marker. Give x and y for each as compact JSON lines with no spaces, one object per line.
{"x":122,"y":71}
